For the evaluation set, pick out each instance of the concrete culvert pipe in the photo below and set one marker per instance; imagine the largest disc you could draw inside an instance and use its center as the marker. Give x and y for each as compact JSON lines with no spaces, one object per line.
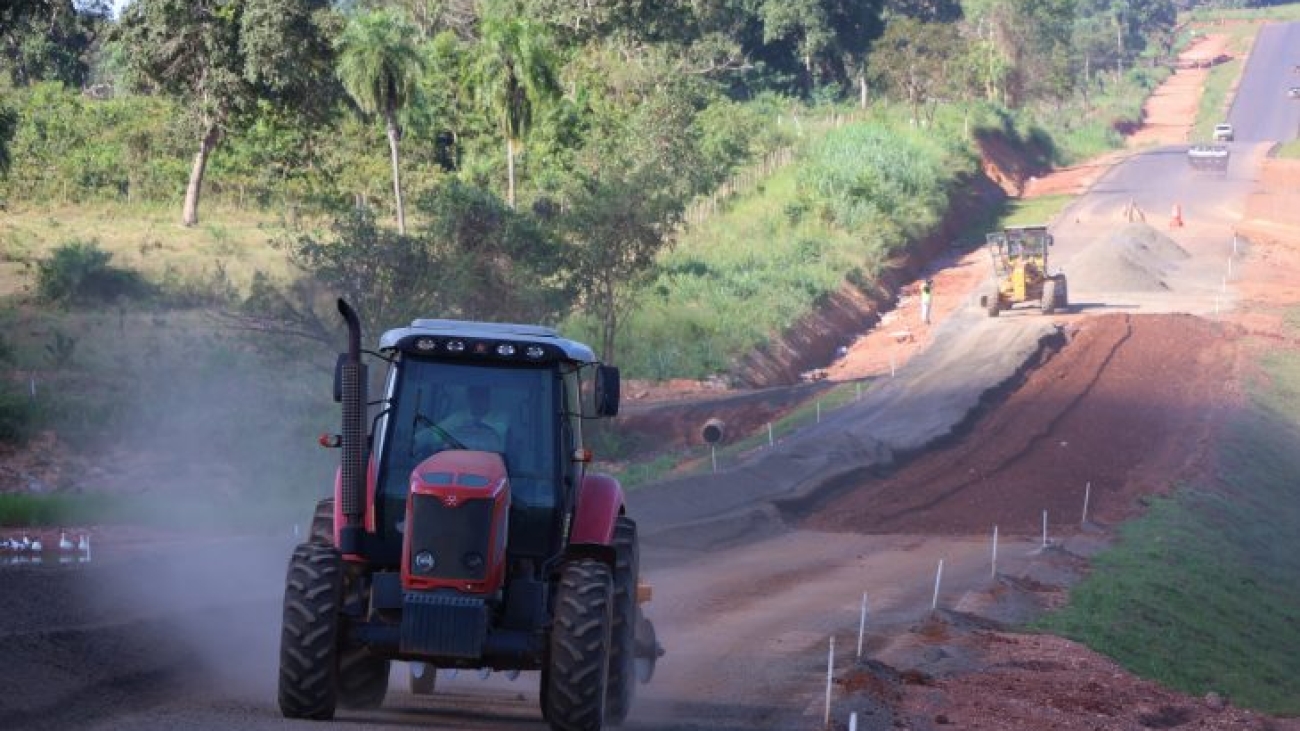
{"x":713,"y":431}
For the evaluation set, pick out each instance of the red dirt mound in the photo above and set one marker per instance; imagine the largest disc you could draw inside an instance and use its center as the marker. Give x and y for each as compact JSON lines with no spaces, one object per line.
{"x":1128,"y":405}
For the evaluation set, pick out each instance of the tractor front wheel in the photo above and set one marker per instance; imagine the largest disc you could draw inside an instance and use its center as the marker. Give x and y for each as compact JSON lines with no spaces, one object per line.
{"x":309,"y":636}
{"x":575,"y":680}
{"x":622,"y":648}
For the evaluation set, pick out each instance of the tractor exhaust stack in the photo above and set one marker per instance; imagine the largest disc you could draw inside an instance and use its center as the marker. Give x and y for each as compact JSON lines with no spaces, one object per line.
{"x":352,"y":468}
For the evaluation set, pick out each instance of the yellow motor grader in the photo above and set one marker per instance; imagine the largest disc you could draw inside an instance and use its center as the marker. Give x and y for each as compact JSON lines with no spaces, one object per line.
{"x":1020,"y":271}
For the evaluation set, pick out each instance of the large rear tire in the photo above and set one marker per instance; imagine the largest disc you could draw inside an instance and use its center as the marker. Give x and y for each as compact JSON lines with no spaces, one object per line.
{"x":322,"y":523}
{"x":622,"y":647}
{"x":1062,"y":293}
{"x":309,"y":634}
{"x":575,"y":680}
{"x":363,"y":679}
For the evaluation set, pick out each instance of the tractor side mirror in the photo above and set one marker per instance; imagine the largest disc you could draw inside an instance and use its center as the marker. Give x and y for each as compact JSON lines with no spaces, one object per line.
{"x":607,"y":390}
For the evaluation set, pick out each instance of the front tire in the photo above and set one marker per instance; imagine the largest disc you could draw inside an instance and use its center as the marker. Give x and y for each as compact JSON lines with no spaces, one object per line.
{"x":309,"y":635}
{"x":575,"y":680}
{"x":622,"y":648}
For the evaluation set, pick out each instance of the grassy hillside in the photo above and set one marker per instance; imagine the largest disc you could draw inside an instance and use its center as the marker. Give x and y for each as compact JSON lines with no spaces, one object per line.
{"x":1203,"y":592}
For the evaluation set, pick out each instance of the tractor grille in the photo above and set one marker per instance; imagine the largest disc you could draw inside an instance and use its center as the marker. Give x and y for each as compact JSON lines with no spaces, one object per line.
{"x":443,"y":624}
{"x":457,"y":537}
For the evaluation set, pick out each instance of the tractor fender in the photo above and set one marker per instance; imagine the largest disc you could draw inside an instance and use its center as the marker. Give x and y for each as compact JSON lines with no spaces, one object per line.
{"x":600,"y":502}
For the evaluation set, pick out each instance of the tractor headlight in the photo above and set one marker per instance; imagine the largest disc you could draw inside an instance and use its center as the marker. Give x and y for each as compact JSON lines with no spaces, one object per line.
{"x":473,"y":561}
{"x":505,"y":349}
{"x":534,"y":351}
{"x":424,"y":562}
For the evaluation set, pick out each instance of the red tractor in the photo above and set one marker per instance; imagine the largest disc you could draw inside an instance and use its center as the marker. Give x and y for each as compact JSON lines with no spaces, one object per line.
{"x":465,"y":531}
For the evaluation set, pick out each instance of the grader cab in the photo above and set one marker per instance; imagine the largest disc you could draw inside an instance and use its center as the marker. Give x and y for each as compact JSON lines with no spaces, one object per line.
{"x":1020,"y":273}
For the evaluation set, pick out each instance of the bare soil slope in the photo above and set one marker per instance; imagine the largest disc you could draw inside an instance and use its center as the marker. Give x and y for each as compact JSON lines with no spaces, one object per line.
{"x":1127,"y":405}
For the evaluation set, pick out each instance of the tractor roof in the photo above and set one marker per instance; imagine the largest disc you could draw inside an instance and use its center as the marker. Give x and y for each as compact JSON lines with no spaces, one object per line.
{"x":487,"y":331}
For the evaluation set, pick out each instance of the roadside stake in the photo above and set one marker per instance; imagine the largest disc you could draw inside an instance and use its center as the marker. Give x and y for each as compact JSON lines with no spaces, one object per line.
{"x":862,"y":623}
{"x":830,"y":676}
{"x":995,"y":552}
{"x":1044,"y":529}
{"x":1087,"y":492}
{"x":938,"y":576}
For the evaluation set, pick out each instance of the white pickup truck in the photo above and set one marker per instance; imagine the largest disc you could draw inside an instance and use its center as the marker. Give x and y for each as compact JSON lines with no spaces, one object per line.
{"x":1223,"y":132}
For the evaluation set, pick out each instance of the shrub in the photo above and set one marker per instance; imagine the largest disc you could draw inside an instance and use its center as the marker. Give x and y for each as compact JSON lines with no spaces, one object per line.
{"x":17,"y":415}
{"x":78,"y":272}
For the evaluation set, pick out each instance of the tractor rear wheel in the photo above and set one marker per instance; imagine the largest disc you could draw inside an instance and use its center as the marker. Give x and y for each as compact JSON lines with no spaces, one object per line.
{"x":309,"y":636}
{"x":574,"y":682}
{"x":363,"y":679}
{"x":1062,"y":293}
{"x":622,"y":647}
{"x":1048,"y":303}
{"x":322,"y":523}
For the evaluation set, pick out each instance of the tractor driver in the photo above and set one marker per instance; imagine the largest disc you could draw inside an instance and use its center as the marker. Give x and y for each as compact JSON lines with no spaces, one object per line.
{"x":463,"y":430}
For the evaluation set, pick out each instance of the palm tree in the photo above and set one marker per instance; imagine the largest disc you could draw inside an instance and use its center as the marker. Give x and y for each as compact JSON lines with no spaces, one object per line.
{"x":379,"y":64}
{"x":515,"y":73}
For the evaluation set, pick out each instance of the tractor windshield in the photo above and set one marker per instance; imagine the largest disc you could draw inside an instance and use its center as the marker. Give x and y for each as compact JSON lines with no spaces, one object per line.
{"x":435,"y":405}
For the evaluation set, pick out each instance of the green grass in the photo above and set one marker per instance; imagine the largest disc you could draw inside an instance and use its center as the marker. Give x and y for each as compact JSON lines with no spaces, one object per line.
{"x":1202,"y":593}
{"x":1031,"y":211}
{"x":1289,"y":150}
{"x":1289,"y":11}
{"x":146,"y":239}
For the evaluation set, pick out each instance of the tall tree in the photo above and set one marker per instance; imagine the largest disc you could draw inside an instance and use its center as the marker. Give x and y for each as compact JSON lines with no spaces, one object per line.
{"x":379,"y":65}
{"x":630,"y":192}
{"x":50,"y":40}
{"x":918,"y":61}
{"x":218,"y":57}
{"x":514,"y":75}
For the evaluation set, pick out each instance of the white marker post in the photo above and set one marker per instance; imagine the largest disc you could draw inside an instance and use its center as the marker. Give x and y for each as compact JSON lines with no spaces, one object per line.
{"x":938,"y":576}
{"x":853,"y":722}
{"x":858,"y":395}
{"x":862,"y":623}
{"x":1044,"y":529}
{"x":995,"y":552}
{"x":713,"y":456}
{"x":819,"y":412}
{"x":1087,"y":492}
{"x":830,"y":678}
{"x":892,"y":368}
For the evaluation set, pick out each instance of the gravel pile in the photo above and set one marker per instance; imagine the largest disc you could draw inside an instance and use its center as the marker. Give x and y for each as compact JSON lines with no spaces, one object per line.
{"x":1136,"y":258}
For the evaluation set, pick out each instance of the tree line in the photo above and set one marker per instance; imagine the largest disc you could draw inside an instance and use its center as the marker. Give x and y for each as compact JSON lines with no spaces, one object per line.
{"x":543,"y":136}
